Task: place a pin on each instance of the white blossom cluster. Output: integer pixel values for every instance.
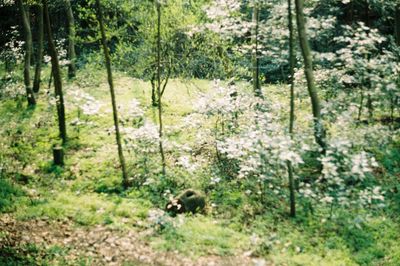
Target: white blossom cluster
(221, 101)
(12, 89)
(85, 102)
(344, 177)
(143, 139)
(13, 50)
(4, 3)
(256, 141)
(260, 147)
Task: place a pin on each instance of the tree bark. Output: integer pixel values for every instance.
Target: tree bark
(153, 91)
(319, 130)
(370, 106)
(125, 181)
(38, 68)
(71, 40)
(28, 52)
(55, 66)
(160, 131)
(254, 58)
(397, 25)
(58, 155)
(291, 118)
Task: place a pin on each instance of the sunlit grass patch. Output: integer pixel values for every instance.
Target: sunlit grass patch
(89, 209)
(201, 235)
(331, 258)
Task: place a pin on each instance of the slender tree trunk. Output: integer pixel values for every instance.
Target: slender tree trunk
(55, 66)
(319, 130)
(71, 40)
(291, 118)
(360, 108)
(50, 79)
(370, 107)
(254, 59)
(125, 181)
(391, 115)
(153, 91)
(397, 38)
(38, 68)
(369, 82)
(397, 25)
(163, 164)
(28, 52)
(351, 13)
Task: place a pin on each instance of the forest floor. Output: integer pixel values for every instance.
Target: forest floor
(64, 243)
(78, 215)
(58, 220)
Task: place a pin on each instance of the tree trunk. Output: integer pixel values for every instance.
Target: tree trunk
(163, 164)
(397, 25)
(55, 66)
(58, 155)
(50, 79)
(125, 181)
(370, 107)
(319, 131)
(291, 118)
(360, 108)
(28, 52)
(71, 40)
(38, 68)
(254, 58)
(369, 82)
(153, 91)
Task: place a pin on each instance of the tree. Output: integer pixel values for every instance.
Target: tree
(319, 130)
(397, 24)
(255, 60)
(39, 58)
(55, 66)
(28, 52)
(291, 119)
(158, 4)
(125, 181)
(173, 47)
(71, 40)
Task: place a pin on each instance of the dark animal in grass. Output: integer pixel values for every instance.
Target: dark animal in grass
(188, 201)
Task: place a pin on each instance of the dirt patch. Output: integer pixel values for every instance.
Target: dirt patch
(98, 245)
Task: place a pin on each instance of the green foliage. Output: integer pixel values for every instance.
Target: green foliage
(25, 255)
(31, 254)
(8, 194)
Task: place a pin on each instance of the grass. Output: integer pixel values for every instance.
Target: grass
(8, 193)
(88, 189)
(200, 235)
(89, 209)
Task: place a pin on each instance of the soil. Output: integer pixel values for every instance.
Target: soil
(98, 245)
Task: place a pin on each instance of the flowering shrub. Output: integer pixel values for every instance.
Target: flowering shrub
(250, 142)
(250, 138)
(13, 51)
(346, 178)
(143, 139)
(83, 101)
